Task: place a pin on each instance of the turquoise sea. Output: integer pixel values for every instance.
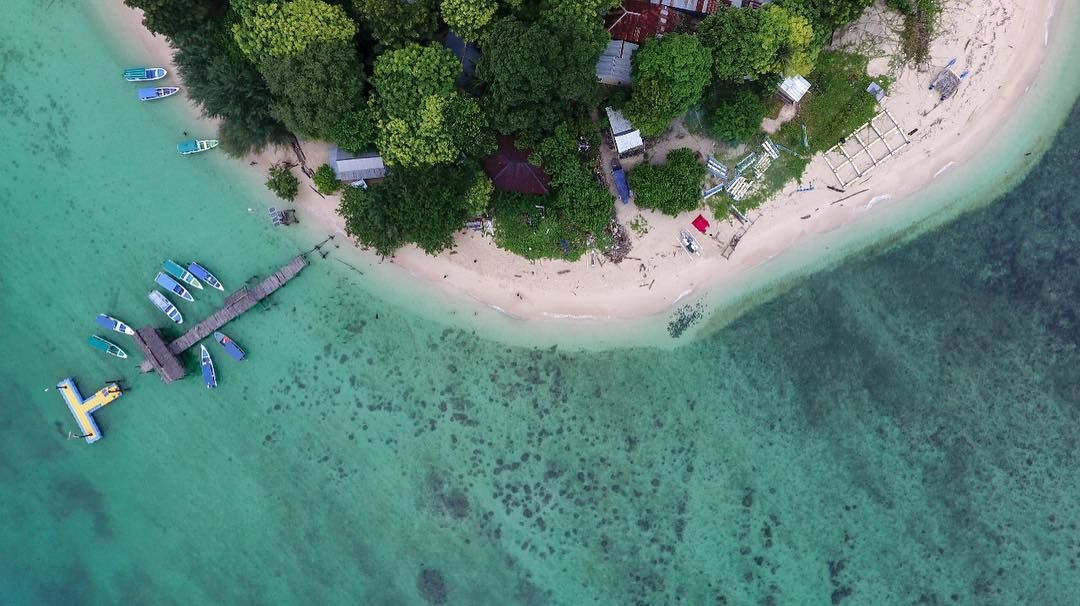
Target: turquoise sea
(900, 428)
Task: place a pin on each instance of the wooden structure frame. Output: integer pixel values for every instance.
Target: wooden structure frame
(867, 148)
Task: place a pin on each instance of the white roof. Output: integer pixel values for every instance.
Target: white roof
(627, 142)
(348, 167)
(619, 123)
(794, 88)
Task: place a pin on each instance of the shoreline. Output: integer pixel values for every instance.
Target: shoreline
(949, 138)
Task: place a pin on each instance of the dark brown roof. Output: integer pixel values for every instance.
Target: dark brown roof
(637, 21)
(510, 170)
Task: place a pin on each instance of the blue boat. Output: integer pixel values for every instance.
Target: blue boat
(161, 302)
(173, 269)
(204, 274)
(150, 93)
(144, 74)
(230, 346)
(112, 323)
(209, 377)
(173, 286)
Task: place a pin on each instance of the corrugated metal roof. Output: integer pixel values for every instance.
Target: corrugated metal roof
(638, 20)
(628, 142)
(348, 167)
(693, 6)
(619, 123)
(794, 88)
(614, 66)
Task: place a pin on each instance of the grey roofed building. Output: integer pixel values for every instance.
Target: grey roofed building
(627, 138)
(614, 65)
(467, 53)
(350, 167)
(794, 88)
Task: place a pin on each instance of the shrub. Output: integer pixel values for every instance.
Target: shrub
(325, 180)
(671, 188)
(282, 182)
(737, 116)
(531, 232)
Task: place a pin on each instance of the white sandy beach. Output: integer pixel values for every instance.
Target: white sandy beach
(1002, 42)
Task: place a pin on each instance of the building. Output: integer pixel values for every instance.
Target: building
(703, 7)
(638, 20)
(627, 139)
(467, 53)
(614, 66)
(793, 89)
(356, 168)
(510, 170)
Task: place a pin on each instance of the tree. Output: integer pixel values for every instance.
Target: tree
(738, 115)
(397, 23)
(325, 180)
(826, 15)
(316, 89)
(670, 73)
(226, 86)
(468, 17)
(671, 188)
(748, 44)
(538, 76)
(423, 206)
(280, 29)
(356, 131)
(176, 19)
(282, 182)
(578, 198)
(577, 12)
(422, 119)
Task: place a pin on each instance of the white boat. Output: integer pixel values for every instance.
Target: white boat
(157, 92)
(689, 244)
(194, 146)
(144, 74)
(112, 323)
(161, 302)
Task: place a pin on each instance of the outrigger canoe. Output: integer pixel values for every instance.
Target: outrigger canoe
(208, 374)
(144, 74)
(161, 302)
(173, 286)
(204, 274)
(112, 323)
(230, 346)
(173, 268)
(110, 348)
(194, 146)
(157, 92)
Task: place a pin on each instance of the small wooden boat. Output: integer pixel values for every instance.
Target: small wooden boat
(157, 92)
(173, 286)
(102, 345)
(208, 375)
(162, 303)
(112, 323)
(144, 74)
(204, 274)
(689, 244)
(194, 146)
(185, 276)
(230, 346)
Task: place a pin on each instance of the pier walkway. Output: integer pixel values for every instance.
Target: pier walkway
(164, 358)
(83, 408)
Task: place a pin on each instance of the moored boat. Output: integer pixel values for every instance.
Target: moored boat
(162, 303)
(208, 374)
(204, 274)
(173, 268)
(230, 346)
(689, 244)
(102, 345)
(144, 74)
(150, 93)
(112, 323)
(173, 286)
(194, 146)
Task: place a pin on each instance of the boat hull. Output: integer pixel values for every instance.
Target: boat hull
(144, 74)
(185, 276)
(112, 323)
(168, 283)
(159, 92)
(231, 348)
(204, 274)
(207, 366)
(161, 302)
(107, 347)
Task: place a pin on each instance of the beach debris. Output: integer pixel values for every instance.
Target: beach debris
(620, 242)
(684, 317)
(802, 188)
(946, 82)
(876, 90)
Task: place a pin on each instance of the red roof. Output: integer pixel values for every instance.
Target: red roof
(637, 20)
(701, 223)
(510, 170)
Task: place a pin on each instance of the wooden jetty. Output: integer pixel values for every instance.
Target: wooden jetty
(164, 359)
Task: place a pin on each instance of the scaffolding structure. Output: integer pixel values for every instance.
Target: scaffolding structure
(865, 149)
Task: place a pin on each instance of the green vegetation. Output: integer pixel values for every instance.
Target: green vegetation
(750, 44)
(468, 17)
(531, 232)
(920, 19)
(669, 75)
(282, 182)
(326, 181)
(314, 90)
(280, 29)
(394, 24)
(738, 114)
(671, 188)
(356, 131)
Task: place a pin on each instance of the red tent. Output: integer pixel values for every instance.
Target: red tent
(701, 223)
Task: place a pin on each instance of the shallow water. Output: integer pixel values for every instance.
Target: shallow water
(899, 430)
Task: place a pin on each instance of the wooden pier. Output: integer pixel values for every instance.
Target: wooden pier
(165, 359)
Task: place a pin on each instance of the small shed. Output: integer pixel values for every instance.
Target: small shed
(793, 89)
(350, 168)
(614, 66)
(510, 170)
(627, 138)
(467, 53)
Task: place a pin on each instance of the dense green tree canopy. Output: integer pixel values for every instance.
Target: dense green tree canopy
(315, 90)
(826, 15)
(396, 23)
(751, 43)
(176, 19)
(468, 17)
(422, 206)
(737, 115)
(556, 83)
(671, 188)
(356, 131)
(279, 29)
(577, 196)
(575, 13)
(422, 120)
(670, 74)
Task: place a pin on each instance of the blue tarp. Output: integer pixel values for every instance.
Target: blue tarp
(621, 186)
